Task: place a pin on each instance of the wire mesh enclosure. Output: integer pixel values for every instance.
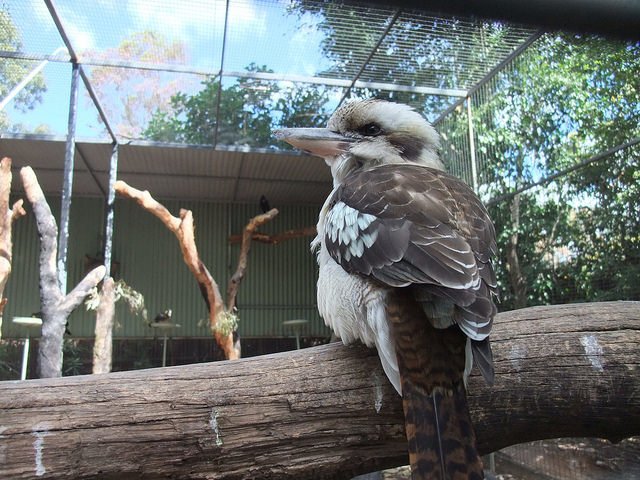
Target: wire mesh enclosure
(551, 142)
(545, 126)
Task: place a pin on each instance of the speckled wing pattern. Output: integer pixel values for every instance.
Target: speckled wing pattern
(412, 226)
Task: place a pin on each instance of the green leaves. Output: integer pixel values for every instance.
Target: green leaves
(12, 71)
(242, 113)
(566, 99)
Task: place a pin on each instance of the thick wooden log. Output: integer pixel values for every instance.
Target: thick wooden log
(323, 412)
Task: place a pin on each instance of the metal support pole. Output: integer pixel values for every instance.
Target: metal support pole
(111, 196)
(472, 147)
(25, 357)
(67, 181)
(219, 96)
(164, 351)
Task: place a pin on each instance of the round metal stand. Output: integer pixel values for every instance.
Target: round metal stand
(297, 326)
(165, 327)
(29, 322)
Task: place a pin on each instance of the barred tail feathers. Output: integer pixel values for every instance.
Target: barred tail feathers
(441, 440)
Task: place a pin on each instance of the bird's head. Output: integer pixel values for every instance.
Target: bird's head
(366, 133)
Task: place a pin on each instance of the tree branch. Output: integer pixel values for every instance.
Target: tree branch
(9, 215)
(323, 412)
(105, 317)
(48, 231)
(76, 296)
(183, 229)
(277, 238)
(247, 235)
(56, 307)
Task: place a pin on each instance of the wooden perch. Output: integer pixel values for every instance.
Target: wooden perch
(322, 412)
(9, 215)
(183, 229)
(56, 306)
(247, 235)
(277, 238)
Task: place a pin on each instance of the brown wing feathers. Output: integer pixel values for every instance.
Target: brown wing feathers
(424, 227)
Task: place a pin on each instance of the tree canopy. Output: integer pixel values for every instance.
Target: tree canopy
(12, 71)
(578, 238)
(132, 96)
(244, 112)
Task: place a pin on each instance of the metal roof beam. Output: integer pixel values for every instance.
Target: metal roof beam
(337, 82)
(276, 77)
(492, 73)
(96, 102)
(392, 22)
(616, 19)
(19, 55)
(65, 38)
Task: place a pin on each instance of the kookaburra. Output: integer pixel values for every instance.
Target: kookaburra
(405, 254)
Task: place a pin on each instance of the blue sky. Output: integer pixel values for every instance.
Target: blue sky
(258, 32)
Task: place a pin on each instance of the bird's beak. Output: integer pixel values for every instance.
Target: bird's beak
(317, 141)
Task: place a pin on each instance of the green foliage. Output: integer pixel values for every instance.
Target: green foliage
(244, 113)
(12, 71)
(566, 99)
(122, 291)
(226, 323)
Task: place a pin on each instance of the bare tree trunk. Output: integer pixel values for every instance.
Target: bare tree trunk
(56, 307)
(236, 278)
(322, 412)
(247, 236)
(516, 277)
(105, 316)
(183, 229)
(7, 217)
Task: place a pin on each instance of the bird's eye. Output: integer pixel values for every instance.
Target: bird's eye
(371, 130)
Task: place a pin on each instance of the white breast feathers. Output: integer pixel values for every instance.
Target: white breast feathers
(354, 308)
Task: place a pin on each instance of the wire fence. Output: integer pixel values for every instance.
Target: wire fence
(563, 192)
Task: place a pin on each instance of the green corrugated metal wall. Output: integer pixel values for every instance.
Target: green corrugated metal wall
(279, 283)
